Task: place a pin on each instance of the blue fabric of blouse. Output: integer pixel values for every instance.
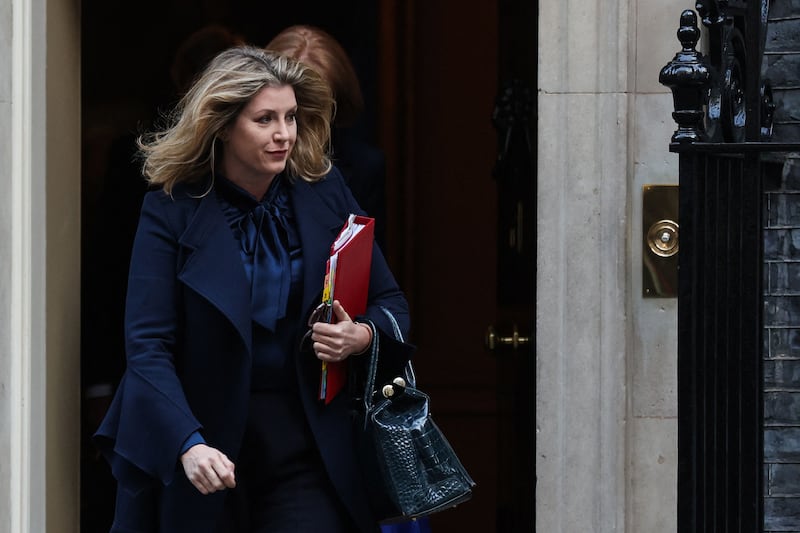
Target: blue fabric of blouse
(270, 246)
(272, 259)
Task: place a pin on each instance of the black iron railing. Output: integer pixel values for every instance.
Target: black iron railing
(724, 112)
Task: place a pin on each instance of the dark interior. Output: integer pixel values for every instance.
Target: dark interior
(430, 73)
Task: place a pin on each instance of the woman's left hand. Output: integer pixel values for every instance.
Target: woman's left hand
(336, 342)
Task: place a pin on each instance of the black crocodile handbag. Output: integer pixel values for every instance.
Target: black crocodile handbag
(409, 467)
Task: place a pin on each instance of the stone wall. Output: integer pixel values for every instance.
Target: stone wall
(782, 66)
(5, 270)
(606, 435)
(782, 353)
(782, 281)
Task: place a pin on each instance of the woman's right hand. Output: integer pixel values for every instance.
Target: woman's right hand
(208, 469)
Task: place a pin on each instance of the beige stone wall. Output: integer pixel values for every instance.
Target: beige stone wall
(652, 352)
(39, 265)
(5, 270)
(606, 399)
(63, 280)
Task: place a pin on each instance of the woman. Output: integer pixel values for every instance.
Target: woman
(216, 426)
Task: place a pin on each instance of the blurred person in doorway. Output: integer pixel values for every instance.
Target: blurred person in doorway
(362, 164)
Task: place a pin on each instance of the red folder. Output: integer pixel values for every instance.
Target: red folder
(347, 280)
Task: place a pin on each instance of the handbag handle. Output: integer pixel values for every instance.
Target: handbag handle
(410, 376)
(372, 369)
(395, 327)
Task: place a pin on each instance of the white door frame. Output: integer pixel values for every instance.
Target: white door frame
(45, 233)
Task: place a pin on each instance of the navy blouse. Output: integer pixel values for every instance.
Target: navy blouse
(272, 259)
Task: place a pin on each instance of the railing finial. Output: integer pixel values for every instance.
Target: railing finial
(689, 77)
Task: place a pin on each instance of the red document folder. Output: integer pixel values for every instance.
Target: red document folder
(347, 280)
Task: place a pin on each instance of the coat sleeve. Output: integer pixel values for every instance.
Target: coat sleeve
(150, 418)
(385, 295)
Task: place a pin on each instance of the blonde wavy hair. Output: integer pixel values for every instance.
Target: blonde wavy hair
(185, 151)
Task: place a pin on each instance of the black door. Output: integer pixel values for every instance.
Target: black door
(512, 340)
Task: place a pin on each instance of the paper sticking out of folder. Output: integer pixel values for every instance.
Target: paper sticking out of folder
(347, 280)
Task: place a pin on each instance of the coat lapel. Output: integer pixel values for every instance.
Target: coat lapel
(318, 226)
(214, 266)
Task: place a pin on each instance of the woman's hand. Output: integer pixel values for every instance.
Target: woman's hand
(336, 342)
(208, 469)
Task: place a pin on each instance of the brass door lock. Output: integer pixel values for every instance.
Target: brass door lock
(493, 340)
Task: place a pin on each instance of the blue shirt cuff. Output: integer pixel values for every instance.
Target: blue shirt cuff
(194, 438)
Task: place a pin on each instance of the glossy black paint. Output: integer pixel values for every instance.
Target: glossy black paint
(724, 112)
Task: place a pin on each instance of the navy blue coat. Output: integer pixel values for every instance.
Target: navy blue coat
(188, 343)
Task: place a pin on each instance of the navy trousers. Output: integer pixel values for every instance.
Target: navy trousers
(282, 486)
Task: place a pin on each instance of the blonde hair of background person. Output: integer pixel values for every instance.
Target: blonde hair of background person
(318, 49)
(362, 164)
(185, 151)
